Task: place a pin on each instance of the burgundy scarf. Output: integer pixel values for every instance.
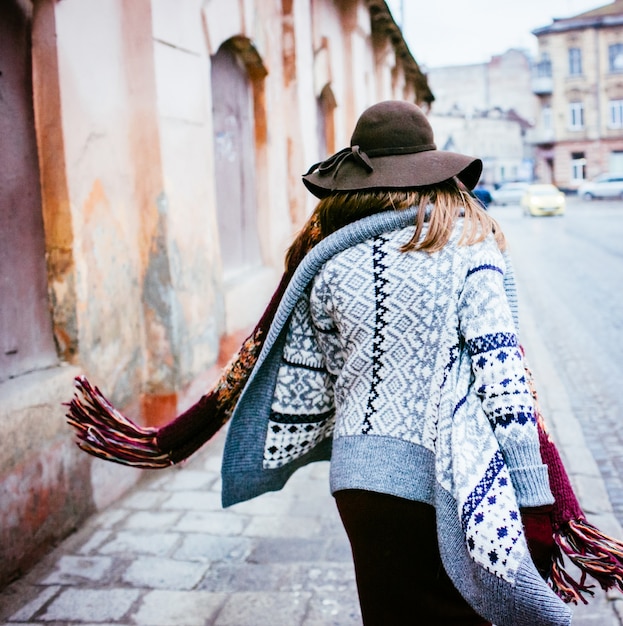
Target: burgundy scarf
(104, 432)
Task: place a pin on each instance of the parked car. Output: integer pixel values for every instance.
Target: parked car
(483, 194)
(543, 199)
(509, 193)
(604, 186)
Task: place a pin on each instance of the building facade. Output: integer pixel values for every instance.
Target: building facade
(504, 83)
(151, 182)
(486, 109)
(578, 79)
(495, 136)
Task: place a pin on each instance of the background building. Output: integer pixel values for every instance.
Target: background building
(486, 109)
(151, 160)
(503, 83)
(579, 82)
(495, 136)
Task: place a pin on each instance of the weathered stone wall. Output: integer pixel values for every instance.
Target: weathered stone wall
(123, 105)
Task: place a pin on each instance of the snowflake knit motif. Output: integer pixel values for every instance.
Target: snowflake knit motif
(418, 351)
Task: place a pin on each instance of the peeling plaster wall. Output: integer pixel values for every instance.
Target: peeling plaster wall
(95, 124)
(123, 109)
(188, 205)
(327, 25)
(140, 192)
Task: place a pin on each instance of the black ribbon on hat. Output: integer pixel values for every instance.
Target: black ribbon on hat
(334, 162)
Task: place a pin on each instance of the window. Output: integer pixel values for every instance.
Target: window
(547, 118)
(578, 167)
(576, 115)
(544, 66)
(575, 62)
(615, 114)
(615, 161)
(615, 57)
(326, 126)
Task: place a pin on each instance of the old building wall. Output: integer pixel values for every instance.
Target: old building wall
(510, 83)
(496, 140)
(186, 209)
(96, 121)
(503, 82)
(132, 131)
(580, 133)
(331, 66)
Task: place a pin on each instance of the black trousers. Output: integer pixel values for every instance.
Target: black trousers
(400, 578)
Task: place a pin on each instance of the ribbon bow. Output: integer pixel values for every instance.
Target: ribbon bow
(334, 162)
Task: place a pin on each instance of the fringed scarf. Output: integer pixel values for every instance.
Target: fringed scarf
(595, 554)
(101, 430)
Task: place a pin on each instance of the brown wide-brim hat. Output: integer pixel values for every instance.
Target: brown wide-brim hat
(392, 147)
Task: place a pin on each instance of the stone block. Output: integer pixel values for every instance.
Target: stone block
(152, 520)
(333, 609)
(90, 605)
(189, 480)
(194, 501)
(157, 573)
(212, 523)
(199, 547)
(281, 526)
(288, 549)
(156, 544)
(143, 500)
(75, 569)
(190, 608)
(264, 609)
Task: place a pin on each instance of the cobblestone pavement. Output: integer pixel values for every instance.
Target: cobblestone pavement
(166, 554)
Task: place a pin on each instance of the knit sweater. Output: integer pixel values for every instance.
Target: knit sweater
(382, 341)
(404, 369)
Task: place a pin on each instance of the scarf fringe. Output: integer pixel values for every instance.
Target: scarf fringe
(104, 432)
(594, 553)
(101, 430)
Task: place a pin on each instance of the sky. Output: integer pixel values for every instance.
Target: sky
(460, 32)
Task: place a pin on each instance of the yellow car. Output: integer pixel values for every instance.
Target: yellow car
(543, 199)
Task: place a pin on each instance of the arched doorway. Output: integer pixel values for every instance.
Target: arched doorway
(234, 148)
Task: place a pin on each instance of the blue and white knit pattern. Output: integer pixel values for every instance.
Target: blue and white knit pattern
(381, 305)
(414, 330)
(303, 409)
(442, 418)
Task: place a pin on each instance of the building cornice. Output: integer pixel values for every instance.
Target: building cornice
(382, 21)
(580, 23)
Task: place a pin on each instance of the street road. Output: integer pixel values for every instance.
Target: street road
(570, 272)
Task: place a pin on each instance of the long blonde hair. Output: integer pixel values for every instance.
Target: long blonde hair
(440, 205)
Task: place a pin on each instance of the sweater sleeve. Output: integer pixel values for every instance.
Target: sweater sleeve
(489, 331)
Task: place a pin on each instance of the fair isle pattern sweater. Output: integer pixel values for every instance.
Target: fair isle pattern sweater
(405, 368)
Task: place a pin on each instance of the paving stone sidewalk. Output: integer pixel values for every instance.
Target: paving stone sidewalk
(166, 554)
